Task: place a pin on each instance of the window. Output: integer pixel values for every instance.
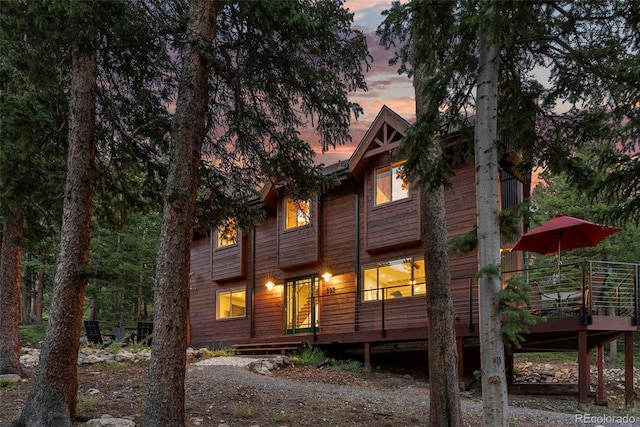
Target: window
(394, 279)
(391, 183)
(231, 303)
(227, 234)
(297, 213)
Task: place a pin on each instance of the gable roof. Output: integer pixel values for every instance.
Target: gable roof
(384, 134)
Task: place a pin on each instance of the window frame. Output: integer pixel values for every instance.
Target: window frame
(416, 284)
(298, 213)
(230, 291)
(391, 167)
(219, 239)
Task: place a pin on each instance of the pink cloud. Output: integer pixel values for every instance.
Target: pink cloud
(385, 85)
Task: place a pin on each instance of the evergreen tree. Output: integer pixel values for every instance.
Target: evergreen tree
(83, 30)
(32, 123)
(252, 72)
(590, 51)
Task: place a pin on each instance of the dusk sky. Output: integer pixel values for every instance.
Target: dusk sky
(385, 86)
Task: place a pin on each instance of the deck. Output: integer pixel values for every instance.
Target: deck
(584, 304)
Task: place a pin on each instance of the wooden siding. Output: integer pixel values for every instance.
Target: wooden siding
(228, 262)
(298, 246)
(338, 219)
(391, 225)
(269, 305)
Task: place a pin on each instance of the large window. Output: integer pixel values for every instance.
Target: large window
(227, 234)
(231, 303)
(391, 183)
(394, 279)
(297, 213)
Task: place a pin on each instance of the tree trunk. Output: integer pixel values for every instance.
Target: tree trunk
(164, 404)
(52, 401)
(494, 388)
(25, 292)
(444, 396)
(39, 298)
(10, 266)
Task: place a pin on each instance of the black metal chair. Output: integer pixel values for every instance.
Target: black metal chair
(92, 329)
(145, 333)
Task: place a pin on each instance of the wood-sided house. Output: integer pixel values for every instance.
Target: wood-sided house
(346, 269)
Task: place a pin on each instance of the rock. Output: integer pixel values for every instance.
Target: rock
(91, 359)
(124, 356)
(109, 421)
(93, 391)
(196, 421)
(29, 360)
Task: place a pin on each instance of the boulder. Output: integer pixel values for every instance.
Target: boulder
(109, 421)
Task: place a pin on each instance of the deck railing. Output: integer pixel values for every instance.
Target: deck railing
(584, 289)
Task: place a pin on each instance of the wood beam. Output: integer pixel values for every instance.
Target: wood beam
(584, 375)
(628, 368)
(600, 398)
(367, 355)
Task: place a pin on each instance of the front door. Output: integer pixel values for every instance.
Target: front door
(301, 305)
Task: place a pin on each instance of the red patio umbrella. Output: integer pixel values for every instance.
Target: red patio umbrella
(561, 233)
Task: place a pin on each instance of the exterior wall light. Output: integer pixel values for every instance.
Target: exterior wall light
(327, 276)
(270, 285)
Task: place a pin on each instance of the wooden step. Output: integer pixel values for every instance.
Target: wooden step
(267, 348)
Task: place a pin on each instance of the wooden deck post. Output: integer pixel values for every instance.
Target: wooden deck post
(600, 399)
(460, 350)
(509, 366)
(584, 374)
(628, 368)
(367, 355)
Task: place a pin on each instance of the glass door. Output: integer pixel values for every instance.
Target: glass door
(301, 305)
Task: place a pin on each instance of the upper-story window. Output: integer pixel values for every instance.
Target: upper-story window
(394, 279)
(391, 183)
(297, 213)
(227, 233)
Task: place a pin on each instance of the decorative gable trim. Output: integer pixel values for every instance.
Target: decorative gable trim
(393, 128)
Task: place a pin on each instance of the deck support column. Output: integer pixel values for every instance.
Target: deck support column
(460, 350)
(509, 366)
(600, 399)
(367, 356)
(628, 368)
(584, 374)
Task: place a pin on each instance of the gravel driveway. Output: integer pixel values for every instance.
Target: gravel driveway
(309, 401)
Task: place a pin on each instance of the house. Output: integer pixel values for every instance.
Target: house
(344, 270)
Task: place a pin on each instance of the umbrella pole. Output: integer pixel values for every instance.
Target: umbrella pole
(559, 264)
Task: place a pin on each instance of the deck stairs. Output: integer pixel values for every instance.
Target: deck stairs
(267, 348)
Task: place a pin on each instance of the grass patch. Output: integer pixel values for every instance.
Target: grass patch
(243, 411)
(87, 402)
(556, 356)
(314, 356)
(309, 355)
(33, 333)
(278, 418)
(208, 353)
(137, 347)
(352, 366)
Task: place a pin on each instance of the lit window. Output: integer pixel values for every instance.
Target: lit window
(298, 213)
(231, 303)
(391, 183)
(227, 233)
(394, 279)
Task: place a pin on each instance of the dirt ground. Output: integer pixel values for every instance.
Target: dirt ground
(122, 389)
